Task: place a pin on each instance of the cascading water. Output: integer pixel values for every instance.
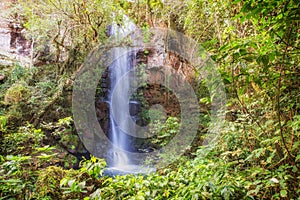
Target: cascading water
(120, 90)
(123, 62)
(118, 136)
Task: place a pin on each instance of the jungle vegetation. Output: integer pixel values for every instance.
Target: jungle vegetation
(256, 46)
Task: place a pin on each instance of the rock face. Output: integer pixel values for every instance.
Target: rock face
(153, 62)
(13, 45)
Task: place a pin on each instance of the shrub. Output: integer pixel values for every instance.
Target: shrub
(16, 93)
(47, 184)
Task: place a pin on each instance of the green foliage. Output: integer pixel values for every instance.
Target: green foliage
(17, 93)
(55, 183)
(18, 73)
(20, 181)
(202, 178)
(72, 186)
(15, 178)
(19, 141)
(264, 171)
(259, 66)
(84, 181)
(164, 132)
(94, 167)
(16, 99)
(146, 34)
(24, 92)
(257, 156)
(67, 30)
(48, 182)
(21, 74)
(3, 122)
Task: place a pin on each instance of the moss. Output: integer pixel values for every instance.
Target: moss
(17, 105)
(48, 182)
(17, 93)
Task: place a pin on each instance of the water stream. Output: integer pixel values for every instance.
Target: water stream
(122, 79)
(123, 63)
(119, 119)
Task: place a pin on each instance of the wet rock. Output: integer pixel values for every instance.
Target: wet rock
(128, 169)
(102, 113)
(2, 78)
(134, 108)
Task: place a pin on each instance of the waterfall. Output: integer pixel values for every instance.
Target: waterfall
(118, 136)
(122, 63)
(123, 79)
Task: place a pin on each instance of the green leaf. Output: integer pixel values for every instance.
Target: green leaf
(265, 60)
(236, 1)
(298, 157)
(11, 181)
(283, 193)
